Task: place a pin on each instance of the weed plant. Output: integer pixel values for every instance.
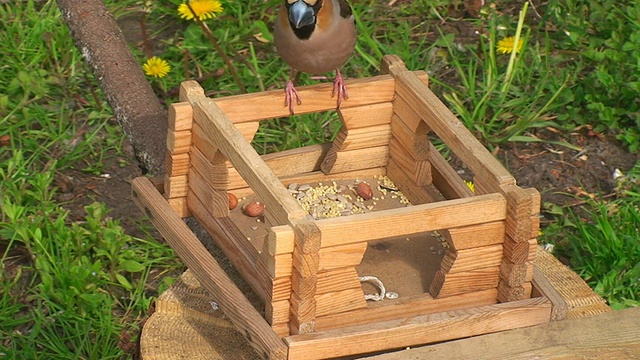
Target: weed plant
(67, 289)
(602, 41)
(601, 240)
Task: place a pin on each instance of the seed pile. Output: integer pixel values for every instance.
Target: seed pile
(341, 199)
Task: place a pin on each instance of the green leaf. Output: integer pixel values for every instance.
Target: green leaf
(124, 282)
(94, 299)
(132, 266)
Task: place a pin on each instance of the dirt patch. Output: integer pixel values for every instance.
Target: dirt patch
(77, 189)
(561, 174)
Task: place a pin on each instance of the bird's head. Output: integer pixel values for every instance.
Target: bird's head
(303, 13)
(303, 16)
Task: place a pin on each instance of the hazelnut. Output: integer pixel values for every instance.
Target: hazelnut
(233, 201)
(364, 191)
(253, 209)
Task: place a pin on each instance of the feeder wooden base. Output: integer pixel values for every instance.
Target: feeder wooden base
(306, 270)
(185, 325)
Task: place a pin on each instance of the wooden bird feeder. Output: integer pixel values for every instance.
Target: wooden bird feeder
(305, 271)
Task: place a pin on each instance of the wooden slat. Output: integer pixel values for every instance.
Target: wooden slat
(179, 205)
(180, 116)
(280, 240)
(328, 281)
(333, 257)
(507, 293)
(366, 116)
(248, 163)
(315, 98)
(442, 121)
(190, 91)
(362, 138)
(516, 274)
(175, 187)
(248, 130)
(278, 313)
(208, 271)
(418, 171)
(178, 142)
(281, 288)
(613, 335)
(235, 246)
(205, 145)
(409, 117)
(306, 261)
(444, 285)
(337, 291)
(580, 298)
(216, 174)
(176, 164)
(318, 176)
(445, 178)
(411, 220)
(406, 308)
(543, 287)
(519, 209)
(515, 252)
(353, 160)
(418, 145)
(360, 228)
(471, 259)
(296, 161)
(340, 301)
(338, 280)
(236, 181)
(418, 330)
(533, 245)
(416, 194)
(216, 202)
(467, 237)
(336, 257)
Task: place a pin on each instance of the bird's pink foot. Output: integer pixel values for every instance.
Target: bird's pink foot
(290, 93)
(339, 88)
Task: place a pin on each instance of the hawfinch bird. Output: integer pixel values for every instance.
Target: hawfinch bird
(315, 36)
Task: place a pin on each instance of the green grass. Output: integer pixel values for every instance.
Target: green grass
(602, 39)
(504, 97)
(69, 289)
(601, 240)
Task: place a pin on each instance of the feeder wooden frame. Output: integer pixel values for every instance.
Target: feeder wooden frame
(305, 273)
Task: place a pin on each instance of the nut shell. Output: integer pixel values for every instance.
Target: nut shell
(253, 209)
(364, 191)
(233, 201)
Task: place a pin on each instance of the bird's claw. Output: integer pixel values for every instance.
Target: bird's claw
(291, 92)
(339, 89)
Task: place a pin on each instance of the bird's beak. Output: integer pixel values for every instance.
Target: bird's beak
(301, 14)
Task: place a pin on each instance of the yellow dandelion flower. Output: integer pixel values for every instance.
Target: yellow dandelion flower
(203, 9)
(505, 46)
(471, 186)
(156, 67)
